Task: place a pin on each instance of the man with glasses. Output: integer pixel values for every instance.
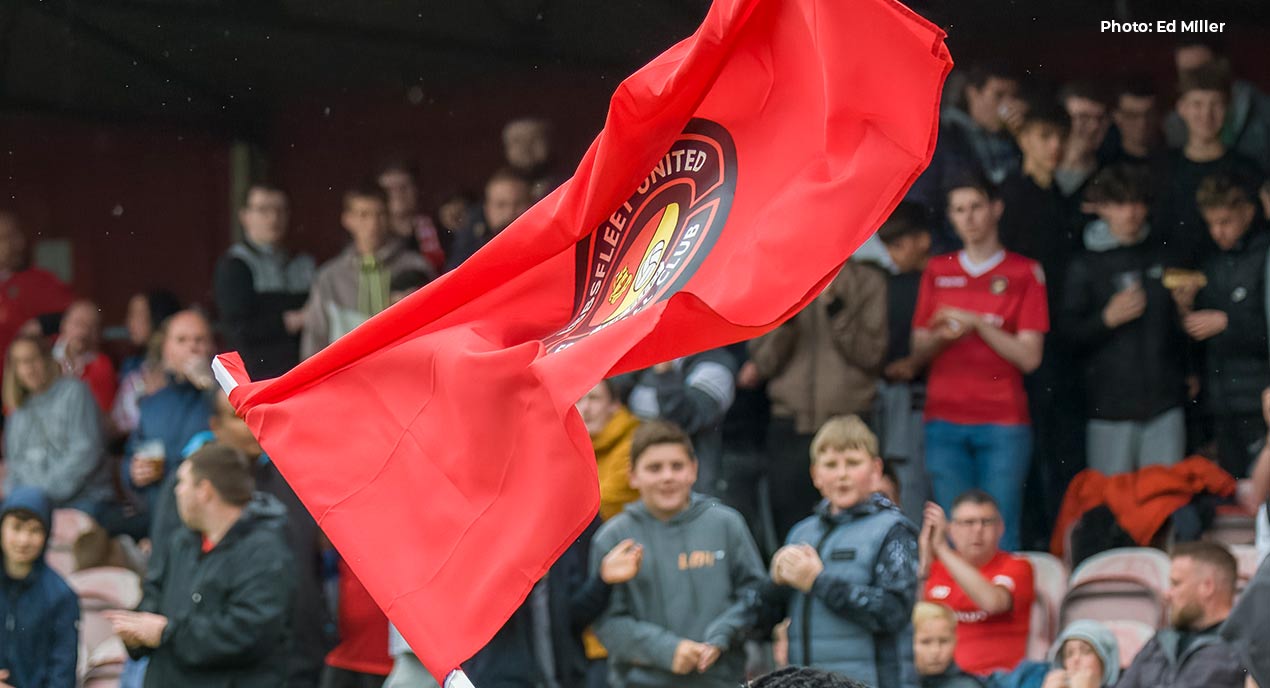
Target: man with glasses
(1087, 107)
(1136, 138)
(990, 591)
(261, 287)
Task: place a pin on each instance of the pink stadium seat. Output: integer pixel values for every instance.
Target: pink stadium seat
(1246, 558)
(94, 630)
(1144, 564)
(106, 587)
(1120, 584)
(1131, 636)
(62, 562)
(1050, 582)
(68, 525)
(1233, 525)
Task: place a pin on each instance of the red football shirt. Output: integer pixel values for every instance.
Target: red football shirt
(988, 643)
(26, 294)
(969, 383)
(363, 629)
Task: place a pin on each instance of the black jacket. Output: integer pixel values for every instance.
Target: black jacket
(574, 600)
(1136, 371)
(251, 314)
(39, 614)
(1237, 360)
(228, 610)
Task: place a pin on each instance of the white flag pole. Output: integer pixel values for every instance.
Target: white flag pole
(458, 679)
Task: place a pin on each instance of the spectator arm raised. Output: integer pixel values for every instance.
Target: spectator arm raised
(991, 598)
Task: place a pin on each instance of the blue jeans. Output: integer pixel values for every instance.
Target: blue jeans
(993, 458)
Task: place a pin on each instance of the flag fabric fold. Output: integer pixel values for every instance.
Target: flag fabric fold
(437, 444)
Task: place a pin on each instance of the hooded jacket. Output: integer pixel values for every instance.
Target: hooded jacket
(1207, 661)
(1136, 371)
(613, 462)
(1032, 674)
(228, 610)
(699, 581)
(39, 639)
(1247, 628)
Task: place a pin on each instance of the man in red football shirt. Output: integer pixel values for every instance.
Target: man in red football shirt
(25, 291)
(990, 591)
(980, 322)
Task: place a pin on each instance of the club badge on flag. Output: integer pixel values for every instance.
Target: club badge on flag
(437, 445)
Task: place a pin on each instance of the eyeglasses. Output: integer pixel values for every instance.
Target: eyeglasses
(972, 522)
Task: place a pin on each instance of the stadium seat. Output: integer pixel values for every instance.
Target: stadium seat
(1246, 558)
(101, 589)
(1131, 636)
(1233, 525)
(62, 562)
(106, 587)
(68, 525)
(1050, 582)
(1126, 583)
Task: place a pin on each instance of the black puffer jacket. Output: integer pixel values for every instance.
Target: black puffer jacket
(1235, 360)
(228, 610)
(1137, 370)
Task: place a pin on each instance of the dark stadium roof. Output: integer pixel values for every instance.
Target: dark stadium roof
(219, 62)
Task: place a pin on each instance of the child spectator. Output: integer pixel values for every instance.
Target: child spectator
(991, 591)
(821, 363)
(850, 570)
(611, 427)
(1119, 316)
(1136, 137)
(981, 320)
(1085, 655)
(934, 639)
(1228, 315)
(681, 620)
(1039, 222)
(357, 284)
(1087, 106)
(1203, 96)
(39, 640)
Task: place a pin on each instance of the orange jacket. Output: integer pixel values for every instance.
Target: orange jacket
(1143, 500)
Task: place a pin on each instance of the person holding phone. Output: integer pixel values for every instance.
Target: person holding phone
(1127, 335)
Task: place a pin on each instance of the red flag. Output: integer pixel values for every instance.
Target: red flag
(437, 445)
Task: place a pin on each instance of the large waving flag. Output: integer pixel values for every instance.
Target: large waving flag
(437, 444)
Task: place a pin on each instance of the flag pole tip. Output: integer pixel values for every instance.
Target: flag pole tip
(223, 376)
(458, 679)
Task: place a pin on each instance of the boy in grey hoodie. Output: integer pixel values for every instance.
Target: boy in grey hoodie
(681, 621)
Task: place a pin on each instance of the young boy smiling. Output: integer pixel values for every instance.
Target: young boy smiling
(681, 620)
(852, 566)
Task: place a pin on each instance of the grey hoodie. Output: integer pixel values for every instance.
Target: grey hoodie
(54, 442)
(699, 579)
(1100, 638)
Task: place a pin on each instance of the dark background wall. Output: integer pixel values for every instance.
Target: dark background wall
(133, 165)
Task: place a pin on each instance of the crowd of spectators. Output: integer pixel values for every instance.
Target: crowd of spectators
(1075, 293)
